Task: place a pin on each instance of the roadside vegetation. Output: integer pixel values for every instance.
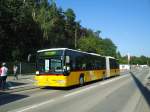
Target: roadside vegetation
(29, 25)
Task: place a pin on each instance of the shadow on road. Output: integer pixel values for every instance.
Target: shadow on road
(143, 89)
(6, 98)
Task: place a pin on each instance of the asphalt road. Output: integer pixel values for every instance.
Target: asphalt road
(125, 93)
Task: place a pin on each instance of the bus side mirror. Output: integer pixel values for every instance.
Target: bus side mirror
(68, 68)
(31, 58)
(67, 59)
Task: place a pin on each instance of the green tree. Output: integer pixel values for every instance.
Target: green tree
(71, 27)
(29, 25)
(109, 47)
(19, 30)
(89, 44)
(92, 42)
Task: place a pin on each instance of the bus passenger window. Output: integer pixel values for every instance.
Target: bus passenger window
(83, 66)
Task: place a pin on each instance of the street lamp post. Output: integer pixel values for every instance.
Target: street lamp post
(129, 60)
(75, 39)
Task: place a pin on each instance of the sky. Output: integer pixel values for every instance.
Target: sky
(125, 22)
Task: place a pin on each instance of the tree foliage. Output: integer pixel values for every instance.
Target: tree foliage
(29, 25)
(135, 60)
(96, 44)
(19, 32)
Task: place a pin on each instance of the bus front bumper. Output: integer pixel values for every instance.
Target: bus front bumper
(52, 81)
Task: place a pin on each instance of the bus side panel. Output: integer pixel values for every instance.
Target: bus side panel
(94, 75)
(112, 67)
(114, 72)
(118, 71)
(73, 78)
(107, 67)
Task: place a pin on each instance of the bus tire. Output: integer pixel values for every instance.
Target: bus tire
(81, 80)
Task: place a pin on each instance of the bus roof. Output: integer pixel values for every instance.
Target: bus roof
(53, 49)
(110, 57)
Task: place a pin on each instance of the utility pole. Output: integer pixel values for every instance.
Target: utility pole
(20, 68)
(129, 61)
(147, 61)
(75, 39)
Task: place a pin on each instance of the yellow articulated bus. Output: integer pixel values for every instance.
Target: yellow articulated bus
(63, 67)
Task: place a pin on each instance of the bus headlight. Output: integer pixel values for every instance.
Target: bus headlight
(61, 81)
(37, 72)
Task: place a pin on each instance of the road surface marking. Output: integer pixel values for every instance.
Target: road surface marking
(80, 91)
(31, 80)
(36, 105)
(112, 80)
(15, 87)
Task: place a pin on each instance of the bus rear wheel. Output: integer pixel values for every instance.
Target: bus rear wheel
(81, 80)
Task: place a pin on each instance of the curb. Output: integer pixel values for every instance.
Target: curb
(18, 89)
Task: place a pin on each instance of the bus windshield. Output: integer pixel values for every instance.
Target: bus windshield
(50, 62)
